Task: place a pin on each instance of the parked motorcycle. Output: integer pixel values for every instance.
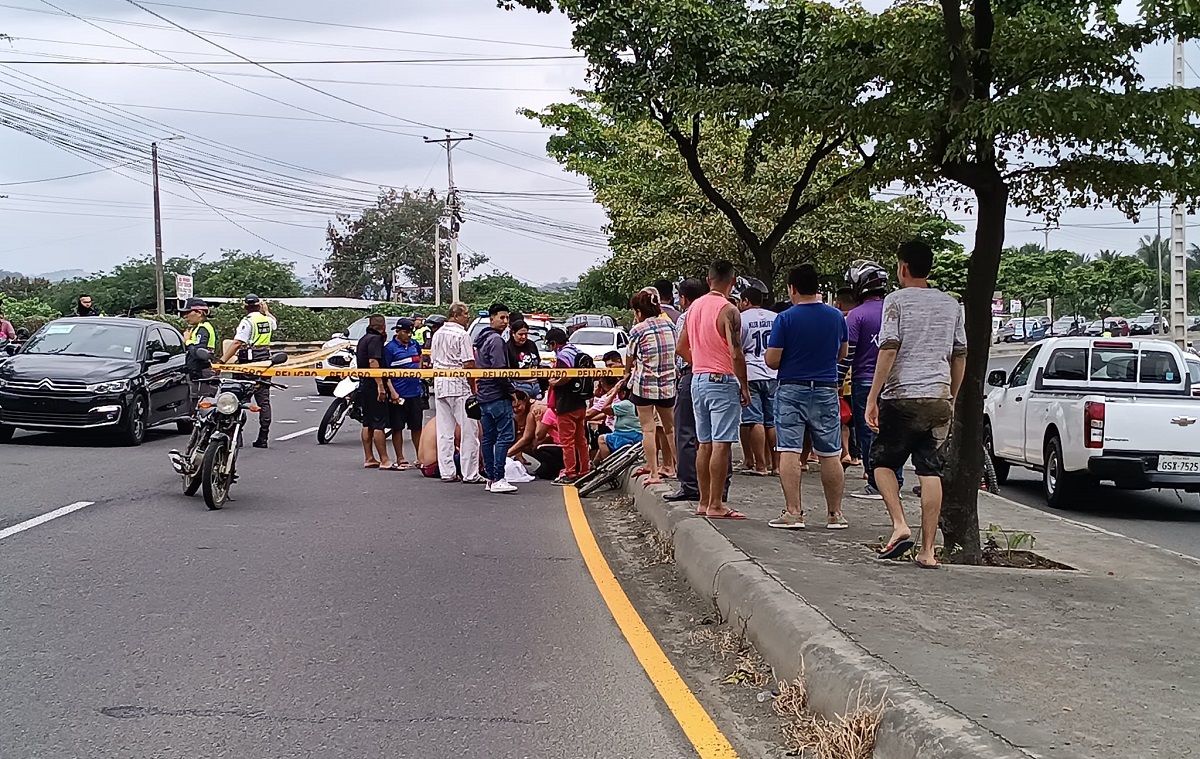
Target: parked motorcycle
(210, 460)
(345, 404)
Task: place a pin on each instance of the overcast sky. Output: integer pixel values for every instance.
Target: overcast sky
(92, 222)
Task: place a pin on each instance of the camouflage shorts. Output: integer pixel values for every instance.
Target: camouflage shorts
(914, 427)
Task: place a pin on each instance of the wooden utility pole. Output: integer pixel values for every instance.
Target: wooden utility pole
(453, 207)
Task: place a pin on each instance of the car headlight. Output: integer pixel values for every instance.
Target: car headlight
(227, 403)
(115, 386)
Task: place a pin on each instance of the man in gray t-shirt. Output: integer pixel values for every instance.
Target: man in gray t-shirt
(922, 356)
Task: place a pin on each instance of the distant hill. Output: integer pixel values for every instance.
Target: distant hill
(561, 286)
(62, 274)
(53, 276)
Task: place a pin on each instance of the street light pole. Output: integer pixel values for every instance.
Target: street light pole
(1178, 253)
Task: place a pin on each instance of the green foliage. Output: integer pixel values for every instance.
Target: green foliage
(30, 313)
(662, 224)
(236, 273)
(1034, 274)
(1097, 285)
(517, 295)
(597, 291)
(950, 271)
(391, 240)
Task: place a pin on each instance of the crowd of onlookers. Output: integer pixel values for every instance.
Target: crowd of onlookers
(801, 384)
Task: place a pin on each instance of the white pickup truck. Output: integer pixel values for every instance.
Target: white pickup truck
(1081, 410)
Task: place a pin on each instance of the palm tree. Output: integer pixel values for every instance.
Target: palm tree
(1155, 252)
(1108, 255)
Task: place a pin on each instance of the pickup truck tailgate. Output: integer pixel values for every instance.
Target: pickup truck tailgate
(1147, 424)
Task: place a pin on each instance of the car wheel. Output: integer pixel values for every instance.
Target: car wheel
(1062, 489)
(133, 431)
(6, 434)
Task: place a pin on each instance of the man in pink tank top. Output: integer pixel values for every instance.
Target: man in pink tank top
(711, 342)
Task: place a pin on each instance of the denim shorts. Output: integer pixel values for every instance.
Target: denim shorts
(717, 403)
(815, 410)
(762, 403)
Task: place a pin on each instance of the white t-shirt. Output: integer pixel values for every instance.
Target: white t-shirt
(245, 330)
(757, 324)
(451, 346)
(925, 327)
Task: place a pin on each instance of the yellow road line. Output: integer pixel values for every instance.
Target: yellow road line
(700, 729)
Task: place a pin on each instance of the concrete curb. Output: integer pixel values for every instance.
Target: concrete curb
(794, 637)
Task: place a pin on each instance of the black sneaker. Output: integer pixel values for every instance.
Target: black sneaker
(679, 496)
(259, 443)
(563, 480)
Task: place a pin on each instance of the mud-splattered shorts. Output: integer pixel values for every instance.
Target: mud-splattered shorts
(914, 427)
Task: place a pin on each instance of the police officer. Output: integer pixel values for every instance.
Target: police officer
(252, 342)
(421, 333)
(200, 334)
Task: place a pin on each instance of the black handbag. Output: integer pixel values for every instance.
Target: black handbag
(472, 407)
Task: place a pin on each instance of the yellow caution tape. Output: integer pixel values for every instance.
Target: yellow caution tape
(284, 371)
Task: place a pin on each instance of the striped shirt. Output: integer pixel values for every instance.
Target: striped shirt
(652, 346)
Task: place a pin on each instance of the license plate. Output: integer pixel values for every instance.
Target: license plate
(1179, 464)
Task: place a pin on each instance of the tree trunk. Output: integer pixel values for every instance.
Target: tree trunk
(960, 509)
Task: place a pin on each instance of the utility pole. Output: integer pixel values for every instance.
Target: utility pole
(158, 257)
(452, 207)
(1158, 251)
(1179, 323)
(1046, 249)
(437, 263)
(158, 249)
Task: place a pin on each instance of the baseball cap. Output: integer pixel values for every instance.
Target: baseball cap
(405, 324)
(252, 300)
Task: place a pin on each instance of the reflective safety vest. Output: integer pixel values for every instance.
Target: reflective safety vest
(422, 336)
(193, 337)
(260, 330)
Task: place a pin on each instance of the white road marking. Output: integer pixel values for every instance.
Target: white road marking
(286, 421)
(300, 398)
(31, 523)
(301, 433)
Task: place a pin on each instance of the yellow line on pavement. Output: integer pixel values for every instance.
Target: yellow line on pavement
(700, 729)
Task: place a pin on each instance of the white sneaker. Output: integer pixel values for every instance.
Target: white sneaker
(502, 486)
(487, 487)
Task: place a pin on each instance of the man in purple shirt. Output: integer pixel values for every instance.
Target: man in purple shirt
(870, 281)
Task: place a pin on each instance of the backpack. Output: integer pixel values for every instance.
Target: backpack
(583, 387)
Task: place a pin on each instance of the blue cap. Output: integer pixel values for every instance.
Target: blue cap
(405, 324)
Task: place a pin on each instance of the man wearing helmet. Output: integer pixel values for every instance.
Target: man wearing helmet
(870, 282)
(252, 342)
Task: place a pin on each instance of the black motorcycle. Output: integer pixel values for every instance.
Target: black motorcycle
(210, 459)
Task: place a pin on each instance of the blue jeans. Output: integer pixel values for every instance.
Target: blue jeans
(858, 406)
(496, 419)
(717, 402)
(803, 408)
(762, 403)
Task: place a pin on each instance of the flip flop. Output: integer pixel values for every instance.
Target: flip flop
(701, 512)
(648, 482)
(403, 466)
(923, 565)
(641, 471)
(896, 549)
(756, 473)
(371, 466)
(731, 514)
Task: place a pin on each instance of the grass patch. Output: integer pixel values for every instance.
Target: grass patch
(846, 736)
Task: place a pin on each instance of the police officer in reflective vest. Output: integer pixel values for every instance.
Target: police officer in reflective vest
(421, 332)
(252, 342)
(200, 334)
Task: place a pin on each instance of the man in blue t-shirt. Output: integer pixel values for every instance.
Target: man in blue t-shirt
(404, 407)
(807, 342)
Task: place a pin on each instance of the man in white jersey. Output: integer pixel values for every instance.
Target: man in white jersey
(758, 419)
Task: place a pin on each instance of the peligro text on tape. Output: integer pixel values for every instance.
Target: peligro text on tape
(421, 373)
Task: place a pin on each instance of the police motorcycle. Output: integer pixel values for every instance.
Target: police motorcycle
(209, 461)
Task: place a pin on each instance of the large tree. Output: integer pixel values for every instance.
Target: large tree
(235, 274)
(392, 240)
(662, 225)
(1036, 104)
(708, 76)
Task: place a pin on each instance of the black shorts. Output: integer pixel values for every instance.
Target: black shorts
(638, 400)
(374, 411)
(914, 427)
(408, 414)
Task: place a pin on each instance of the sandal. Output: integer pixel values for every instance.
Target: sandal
(935, 565)
(897, 548)
(731, 514)
(371, 465)
(400, 466)
(641, 471)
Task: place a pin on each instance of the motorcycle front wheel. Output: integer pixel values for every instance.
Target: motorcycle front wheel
(334, 417)
(191, 482)
(216, 481)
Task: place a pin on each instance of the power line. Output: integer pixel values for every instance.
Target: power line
(65, 176)
(355, 26)
(313, 62)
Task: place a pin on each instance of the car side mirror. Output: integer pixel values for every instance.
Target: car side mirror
(160, 357)
(997, 378)
(278, 358)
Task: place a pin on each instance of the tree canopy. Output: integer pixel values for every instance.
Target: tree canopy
(391, 240)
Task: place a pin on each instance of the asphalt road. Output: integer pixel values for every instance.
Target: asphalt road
(329, 611)
(1165, 518)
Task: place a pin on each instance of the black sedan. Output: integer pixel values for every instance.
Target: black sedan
(84, 373)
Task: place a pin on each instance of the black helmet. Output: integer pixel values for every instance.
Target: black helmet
(195, 304)
(867, 278)
(252, 300)
(748, 283)
(435, 320)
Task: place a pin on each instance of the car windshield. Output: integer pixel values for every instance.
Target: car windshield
(359, 328)
(102, 340)
(1144, 319)
(593, 337)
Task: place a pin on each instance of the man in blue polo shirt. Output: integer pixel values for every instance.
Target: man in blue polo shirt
(807, 342)
(404, 407)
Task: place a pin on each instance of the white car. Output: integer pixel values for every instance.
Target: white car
(596, 341)
(1085, 409)
(349, 338)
